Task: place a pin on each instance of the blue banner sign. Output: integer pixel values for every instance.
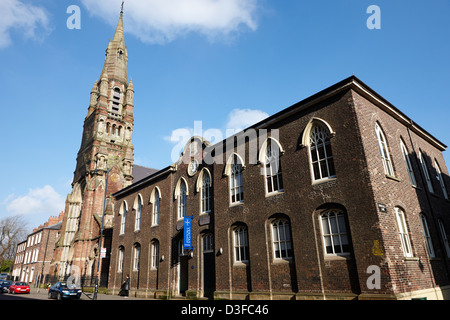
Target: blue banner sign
(187, 243)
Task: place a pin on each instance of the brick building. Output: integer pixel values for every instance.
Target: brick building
(340, 196)
(34, 255)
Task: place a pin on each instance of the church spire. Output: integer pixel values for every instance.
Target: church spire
(116, 55)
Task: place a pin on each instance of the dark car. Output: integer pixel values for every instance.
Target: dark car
(62, 290)
(4, 285)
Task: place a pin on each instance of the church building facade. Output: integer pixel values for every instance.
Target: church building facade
(340, 196)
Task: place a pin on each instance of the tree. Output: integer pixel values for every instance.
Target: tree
(12, 231)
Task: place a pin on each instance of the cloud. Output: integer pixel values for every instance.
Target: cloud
(240, 119)
(38, 201)
(156, 21)
(24, 18)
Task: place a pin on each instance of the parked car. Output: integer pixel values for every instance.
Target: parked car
(4, 276)
(4, 285)
(19, 287)
(62, 290)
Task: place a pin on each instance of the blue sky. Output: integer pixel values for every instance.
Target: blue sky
(226, 63)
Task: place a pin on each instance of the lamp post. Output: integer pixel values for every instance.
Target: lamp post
(101, 236)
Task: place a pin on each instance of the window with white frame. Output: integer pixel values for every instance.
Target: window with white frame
(121, 259)
(407, 159)
(426, 233)
(156, 207)
(205, 193)
(403, 232)
(441, 179)
(182, 200)
(272, 164)
(334, 233)
(384, 151)
(321, 156)
(138, 208)
(236, 180)
(444, 237)
(123, 219)
(426, 173)
(281, 239)
(136, 257)
(241, 249)
(155, 254)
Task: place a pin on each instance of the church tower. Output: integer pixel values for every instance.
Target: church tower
(106, 146)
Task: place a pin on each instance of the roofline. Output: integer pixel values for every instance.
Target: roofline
(143, 181)
(364, 90)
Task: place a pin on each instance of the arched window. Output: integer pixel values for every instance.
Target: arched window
(155, 199)
(136, 256)
(334, 233)
(384, 151)
(155, 254)
(272, 165)
(444, 237)
(426, 233)
(441, 179)
(321, 156)
(121, 259)
(281, 239)
(205, 192)
(138, 208)
(240, 240)
(408, 163)
(426, 172)
(403, 232)
(236, 180)
(123, 214)
(182, 199)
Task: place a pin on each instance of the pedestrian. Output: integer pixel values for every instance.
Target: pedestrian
(125, 287)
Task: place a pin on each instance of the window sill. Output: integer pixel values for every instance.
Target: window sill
(337, 258)
(282, 261)
(236, 204)
(411, 259)
(392, 178)
(240, 264)
(274, 193)
(316, 182)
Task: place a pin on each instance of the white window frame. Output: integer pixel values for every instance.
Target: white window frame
(182, 200)
(426, 233)
(409, 168)
(426, 172)
(155, 255)
(320, 153)
(240, 243)
(123, 219)
(208, 243)
(121, 259)
(384, 151)
(441, 179)
(205, 193)
(334, 233)
(281, 239)
(444, 237)
(138, 215)
(272, 167)
(136, 257)
(236, 181)
(403, 232)
(156, 207)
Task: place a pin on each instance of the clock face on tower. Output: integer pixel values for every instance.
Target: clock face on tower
(192, 168)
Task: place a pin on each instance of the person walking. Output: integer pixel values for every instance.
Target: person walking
(125, 287)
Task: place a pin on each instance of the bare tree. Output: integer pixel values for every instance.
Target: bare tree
(12, 231)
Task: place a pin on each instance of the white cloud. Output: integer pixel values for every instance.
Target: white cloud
(24, 18)
(240, 119)
(161, 21)
(38, 201)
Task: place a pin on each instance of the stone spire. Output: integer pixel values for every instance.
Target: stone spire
(116, 55)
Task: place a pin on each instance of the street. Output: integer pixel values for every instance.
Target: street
(42, 294)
